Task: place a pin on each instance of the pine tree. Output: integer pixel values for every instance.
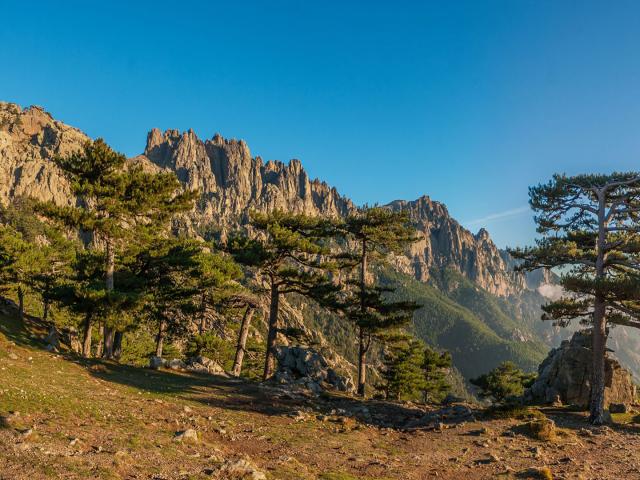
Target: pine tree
(56, 255)
(414, 371)
(402, 374)
(167, 270)
(288, 253)
(436, 366)
(377, 232)
(250, 304)
(216, 282)
(117, 204)
(84, 293)
(589, 227)
(18, 258)
(503, 383)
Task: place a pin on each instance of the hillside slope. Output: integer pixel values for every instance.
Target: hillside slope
(63, 417)
(479, 338)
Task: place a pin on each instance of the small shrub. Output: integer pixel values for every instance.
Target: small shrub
(543, 473)
(515, 411)
(543, 429)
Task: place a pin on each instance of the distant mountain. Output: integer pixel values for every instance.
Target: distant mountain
(488, 312)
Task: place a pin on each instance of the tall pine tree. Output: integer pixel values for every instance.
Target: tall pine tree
(413, 371)
(288, 253)
(376, 232)
(589, 226)
(167, 270)
(116, 203)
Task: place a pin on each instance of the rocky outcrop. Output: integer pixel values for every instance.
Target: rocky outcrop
(443, 242)
(202, 364)
(309, 369)
(233, 182)
(565, 375)
(29, 140)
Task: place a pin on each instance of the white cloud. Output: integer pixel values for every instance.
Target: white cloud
(551, 291)
(514, 212)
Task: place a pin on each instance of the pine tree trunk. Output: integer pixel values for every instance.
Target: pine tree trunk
(270, 358)
(242, 342)
(100, 340)
(599, 333)
(160, 338)
(203, 311)
(21, 303)
(362, 351)
(109, 270)
(45, 308)
(362, 364)
(107, 351)
(598, 375)
(117, 344)
(86, 340)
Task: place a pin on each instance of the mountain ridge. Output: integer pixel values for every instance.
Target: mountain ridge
(232, 183)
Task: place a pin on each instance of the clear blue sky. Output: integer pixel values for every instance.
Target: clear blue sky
(468, 102)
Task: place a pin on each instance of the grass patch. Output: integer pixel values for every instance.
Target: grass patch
(337, 476)
(543, 429)
(625, 418)
(517, 412)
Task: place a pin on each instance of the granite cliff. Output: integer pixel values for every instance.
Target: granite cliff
(233, 182)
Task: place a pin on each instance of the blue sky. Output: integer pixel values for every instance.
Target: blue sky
(467, 102)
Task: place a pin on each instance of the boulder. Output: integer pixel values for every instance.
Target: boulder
(72, 338)
(176, 364)
(188, 436)
(240, 469)
(157, 362)
(565, 376)
(202, 364)
(308, 368)
(52, 339)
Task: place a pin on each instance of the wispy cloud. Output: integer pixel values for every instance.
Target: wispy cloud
(514, 212)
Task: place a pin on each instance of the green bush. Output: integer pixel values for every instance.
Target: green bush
(504, 383)
(212, 346)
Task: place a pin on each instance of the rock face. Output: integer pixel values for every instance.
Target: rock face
(308, 368)
(29, 140)
(233, 183)
(566, 373)
(445, 243)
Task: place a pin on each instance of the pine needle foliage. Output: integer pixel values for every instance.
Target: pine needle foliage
(590, 226)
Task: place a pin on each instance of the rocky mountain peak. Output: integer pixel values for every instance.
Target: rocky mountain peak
(444, 243)
(483, 235)
(29, 139)
(233, 183)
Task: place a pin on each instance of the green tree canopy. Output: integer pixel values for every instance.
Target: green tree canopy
(290, 254)
(376, 232)
(589, 227)
(503, 383)
(413, 371)
(118, 203)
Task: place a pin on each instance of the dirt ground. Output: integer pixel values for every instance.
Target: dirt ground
(71, 419)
